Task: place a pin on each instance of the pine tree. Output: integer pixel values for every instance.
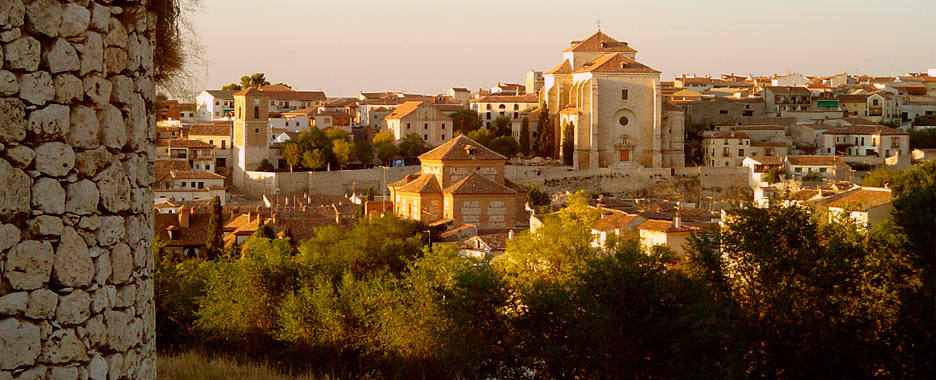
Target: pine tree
(525, 137)
(568, 143)
(214, 243)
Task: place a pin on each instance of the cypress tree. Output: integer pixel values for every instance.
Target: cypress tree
(545, 135)
(568, 143)
(214, 243)
(525, 137)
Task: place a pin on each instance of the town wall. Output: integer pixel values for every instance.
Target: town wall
(339, 182)
(76, 203)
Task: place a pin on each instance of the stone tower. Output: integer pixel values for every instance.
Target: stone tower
(76, 198)
(251, 131)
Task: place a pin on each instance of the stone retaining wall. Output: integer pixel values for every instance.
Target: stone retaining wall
(76, 152)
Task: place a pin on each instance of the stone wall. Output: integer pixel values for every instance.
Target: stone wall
(76, 290)
(327, 182)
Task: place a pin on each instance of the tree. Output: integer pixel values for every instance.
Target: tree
(383, 137)
(292, 153)
(411, 147)
(265, 166)
(464, 121)
(536, 197)
(923, 139)
(314, 159)
(214, 242)
(342, 150)
(505, 145)
(232, 87)
(501, 126)
(255, 80)
(386, 151)
(482, 136)
(881, 177)
(334, 134)
(364, 152)
(568, 143)
(545, 135)
(525, 137)
(161, 96)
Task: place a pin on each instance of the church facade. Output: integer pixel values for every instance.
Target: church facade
(615, 106)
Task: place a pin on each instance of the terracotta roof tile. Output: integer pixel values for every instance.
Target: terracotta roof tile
(815, 160)
(183, 143)
(529, 98)
(614, 221)
(663, 226)
(404, 109)
(457, 149)
(562, 68)
(616, 63)
(600, 42)
(476, 183)
(214, 129)
(425, 183)
(863, 199)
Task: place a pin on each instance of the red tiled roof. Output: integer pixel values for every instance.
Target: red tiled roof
(616, 63)
(600, 42)
(457, 149)
(424, 184)
(404, 109)
(562, 68)
(476, 183)
(183, 143)
(614, 221)
(863, 199)
(815, 160)
(529, 98)
(663, 226)
(214, 129)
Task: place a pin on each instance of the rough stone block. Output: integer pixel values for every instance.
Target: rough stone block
(114, 188)
(12, 13)
(82, 198)
(75, 19)
(84, 128)
(42, 303)
(36, 87)
(91, 52)
(8, 83)
(12, 118)
(73, 308)
(13, 303)
(29, 264)
(14, 199)
(54, 158)
(73, 264)
(22, 54)
(50, 123)
(48, 196)
(46, 225)
(20, 156)
(68, 88)
(121, 263)
(63, 346)
(60, 56)
(19, 343)
(44, 17)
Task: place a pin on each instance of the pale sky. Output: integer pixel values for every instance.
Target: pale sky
(426, 46)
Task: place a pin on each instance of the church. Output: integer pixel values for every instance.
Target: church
(615, 106)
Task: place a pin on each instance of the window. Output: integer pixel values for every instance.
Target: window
(741, 152)
(407, 125)
(183, 184)
(487, 106)
(798, 170)
(425, 125)
(211, 142)
(201, 185)
(624, 94)
(516, 115)
(723, 112)
(256, 112)
(443, 137)
(222, 144)
(488, 116)
(822, 170)
(516, 107)
(502, 106)
(623, 120)
(426, 137)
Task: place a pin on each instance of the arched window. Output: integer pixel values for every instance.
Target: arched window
(256, 112)
(516, 107)
(502, 106)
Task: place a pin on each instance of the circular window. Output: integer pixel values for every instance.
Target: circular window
(623, 120)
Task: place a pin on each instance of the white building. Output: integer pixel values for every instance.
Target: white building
(491, 107)
(214, 105)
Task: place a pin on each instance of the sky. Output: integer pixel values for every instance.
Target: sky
(420, 46)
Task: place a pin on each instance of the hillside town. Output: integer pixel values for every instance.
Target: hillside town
(599, 112)
(388, 192)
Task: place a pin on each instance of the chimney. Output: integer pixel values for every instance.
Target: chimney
(250, 216)
(171, 231)
(184, 214)
(337, 215)
(676, 219)
(273, 219)
(510, 235)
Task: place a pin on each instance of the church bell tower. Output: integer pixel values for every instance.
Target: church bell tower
(251, 131)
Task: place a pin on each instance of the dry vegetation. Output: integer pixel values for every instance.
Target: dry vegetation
(193, 365)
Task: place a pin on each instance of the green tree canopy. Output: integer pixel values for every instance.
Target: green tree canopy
(464, 121)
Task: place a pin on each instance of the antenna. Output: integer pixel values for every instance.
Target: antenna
(598, 20)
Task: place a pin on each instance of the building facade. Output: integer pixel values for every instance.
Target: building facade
(616, 106)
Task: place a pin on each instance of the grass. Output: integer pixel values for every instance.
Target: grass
(193, 365)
